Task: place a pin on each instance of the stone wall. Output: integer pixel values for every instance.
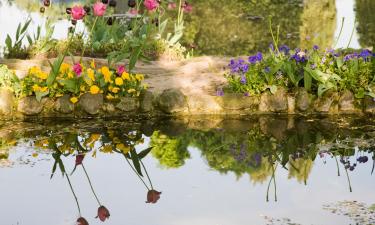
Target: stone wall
(174, 102)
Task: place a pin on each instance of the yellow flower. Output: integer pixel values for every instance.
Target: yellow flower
(131, 90)
(119, 81)
(94, 89)
(92, 64)
(107, 149)
(59, 95)
(64, 68)
(74, 100)
(145, 86)
(139, 77)
(34, 70)
(82, 88)
(115, 90)
(106, 73)
(123, 148)
(125, 76)
(36, 88)
(70, 74)
(43, 89)
(42, 75)
(109, 97)
(91, 74)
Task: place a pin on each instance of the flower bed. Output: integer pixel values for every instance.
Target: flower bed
(317, 71)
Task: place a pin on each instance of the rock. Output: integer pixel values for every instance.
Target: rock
(109, 107)
(326, 103)
(203, 104)
(172, 101)
(90, 103)
(6, 101)
(347, 102)
(291, 104)
(303, 100)
(236, 101)
(30, 106)
(128, 104)
(277, 102)
(369, 105)
(64, 105)
(147, 101)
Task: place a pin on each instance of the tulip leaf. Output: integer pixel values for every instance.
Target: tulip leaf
(143, 153)
(136, 163)
(39, 95)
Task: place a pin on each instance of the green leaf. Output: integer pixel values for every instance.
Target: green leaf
(136, 163)
(8, 42)
(307, 80)
(70, 85)
(39, 95)
(55, 67)
(143, 153)
(18, 32)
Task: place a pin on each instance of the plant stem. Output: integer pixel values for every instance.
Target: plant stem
(136, 173)
(351, 35)
(90, 35)
(338, 167)
(338, 37)
(148, 177)
(92, 189)
(75, 197)
(275, 42)
(347, 177)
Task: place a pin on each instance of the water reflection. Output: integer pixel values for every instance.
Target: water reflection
(261, 148)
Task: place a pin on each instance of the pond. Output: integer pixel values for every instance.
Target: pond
(210, 171)
(243, 26)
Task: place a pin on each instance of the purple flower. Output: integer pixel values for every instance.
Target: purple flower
(243, 79)
(285, 49)
(238, 66)
(365, 54)
(299, 56)
(256, 58)
(267, 69)
(315, 47)
(313, 66)
(246, 94)
(219, 92)
(271, 47)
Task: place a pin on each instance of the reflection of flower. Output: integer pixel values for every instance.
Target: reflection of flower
(103, 213)
(153, 196)
(82, 221)
(79, 159)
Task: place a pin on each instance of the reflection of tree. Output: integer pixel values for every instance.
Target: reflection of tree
(301, 169)
(171, 152)
(366, 22)
(318, 23)
(238, 27)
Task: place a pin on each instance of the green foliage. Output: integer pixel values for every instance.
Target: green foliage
(16, 49)
(9, 80)
(366, 22)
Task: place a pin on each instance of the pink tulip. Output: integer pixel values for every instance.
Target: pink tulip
(133, 11)
(99, 9)
(120, 70)
(151, 4)
(77, 68)
(187, 7)
(78, 12)
(172, 5)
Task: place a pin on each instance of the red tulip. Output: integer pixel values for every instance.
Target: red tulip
(103, 213)
(99, 9)
(79, 159)
(82, 221)
(153, 196)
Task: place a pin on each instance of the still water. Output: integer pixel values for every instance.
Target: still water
(242, 27)
(210, 171)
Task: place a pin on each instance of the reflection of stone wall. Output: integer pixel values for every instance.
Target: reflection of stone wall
(318, 23)
(366, 22)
